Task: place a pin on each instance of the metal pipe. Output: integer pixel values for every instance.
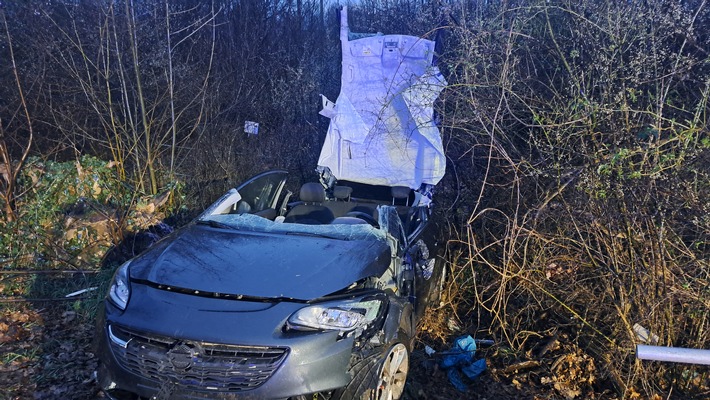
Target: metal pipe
(673, 354)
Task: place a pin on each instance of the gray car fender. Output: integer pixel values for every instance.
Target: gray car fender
(400, 319)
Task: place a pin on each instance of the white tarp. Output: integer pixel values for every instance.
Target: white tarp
(382, 130)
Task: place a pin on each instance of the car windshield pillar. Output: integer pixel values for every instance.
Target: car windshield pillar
(391, 223)
(223, 205)
(260, 193)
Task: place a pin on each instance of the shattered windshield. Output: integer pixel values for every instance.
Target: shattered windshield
(255, 223)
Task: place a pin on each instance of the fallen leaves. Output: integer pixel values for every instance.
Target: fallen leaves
(18, 325)
(20, 333)
(553, 365)
(572, 374)
(45, 354)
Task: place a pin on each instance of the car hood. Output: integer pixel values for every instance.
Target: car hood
(263, 265)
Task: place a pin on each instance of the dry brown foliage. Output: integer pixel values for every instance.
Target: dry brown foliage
(579, 144)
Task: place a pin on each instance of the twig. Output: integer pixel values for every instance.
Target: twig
(30, 300)
(50, 271)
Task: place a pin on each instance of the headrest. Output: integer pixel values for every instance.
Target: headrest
(312, 192)
(342, 192)
(400, 192)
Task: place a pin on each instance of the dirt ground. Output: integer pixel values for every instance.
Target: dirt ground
(47, 354)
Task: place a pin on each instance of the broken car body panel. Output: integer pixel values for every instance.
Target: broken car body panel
(382, 129)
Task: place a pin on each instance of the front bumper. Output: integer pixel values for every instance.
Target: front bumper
(183, 361)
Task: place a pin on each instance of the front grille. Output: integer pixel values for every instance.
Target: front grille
(195, 365)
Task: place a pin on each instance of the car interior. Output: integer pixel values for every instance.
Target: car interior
(317, 206)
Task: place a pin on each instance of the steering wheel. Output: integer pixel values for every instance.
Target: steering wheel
(363, 216)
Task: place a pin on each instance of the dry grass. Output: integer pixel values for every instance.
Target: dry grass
(578, 202)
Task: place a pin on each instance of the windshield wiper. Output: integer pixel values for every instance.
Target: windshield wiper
(215, 295)
(298, 233)
(215, 224)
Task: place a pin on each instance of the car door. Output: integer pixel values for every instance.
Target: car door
(261, 192)
(422, 250)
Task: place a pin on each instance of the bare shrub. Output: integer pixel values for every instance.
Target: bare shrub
(590, 211)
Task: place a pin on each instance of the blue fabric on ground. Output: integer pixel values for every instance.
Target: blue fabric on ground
(461, 354)
(460, 359)
(475, 368)
(455, 379)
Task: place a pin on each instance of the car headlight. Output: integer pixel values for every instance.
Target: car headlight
(120, 289)
(344, 315)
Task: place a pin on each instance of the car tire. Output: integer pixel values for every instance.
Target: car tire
(381, 375)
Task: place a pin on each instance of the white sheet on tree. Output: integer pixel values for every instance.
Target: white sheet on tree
(382, 128)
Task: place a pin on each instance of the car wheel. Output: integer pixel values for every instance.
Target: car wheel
(380, 376)
(393, 373)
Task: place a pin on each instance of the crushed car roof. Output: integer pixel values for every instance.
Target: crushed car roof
(382, 129)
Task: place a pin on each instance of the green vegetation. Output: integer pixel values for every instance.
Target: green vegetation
(68, 215)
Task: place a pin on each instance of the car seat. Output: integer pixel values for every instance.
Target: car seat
(311, 211)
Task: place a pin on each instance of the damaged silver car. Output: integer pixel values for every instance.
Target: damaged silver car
(268, 298)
